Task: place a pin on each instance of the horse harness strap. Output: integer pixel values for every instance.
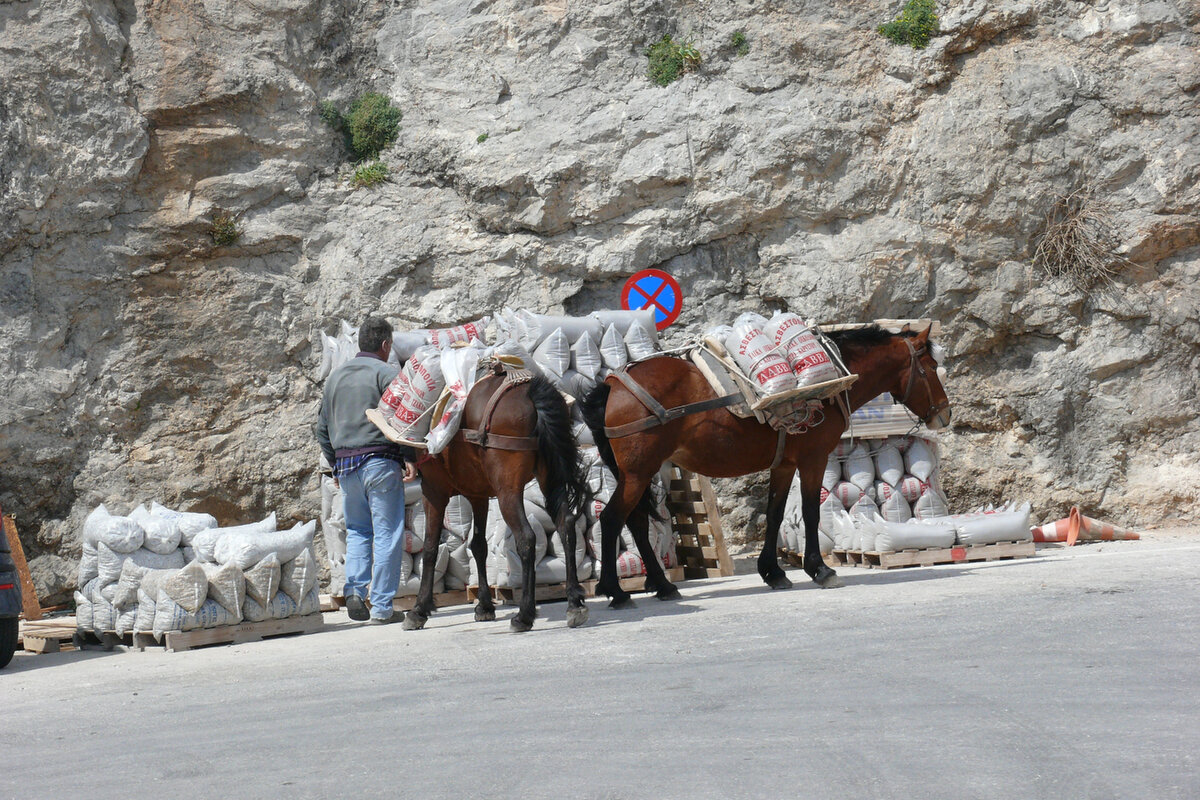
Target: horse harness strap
(483, 436)
(662, 415)
(779, 449)
(916, 368)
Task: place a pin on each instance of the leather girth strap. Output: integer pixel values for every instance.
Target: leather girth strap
(661, 414)
(483, 437)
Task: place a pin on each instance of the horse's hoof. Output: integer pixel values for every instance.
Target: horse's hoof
(671, 592)
(520, 625)
(414, 621)
(484, 614)
(576, 616)
(779, 581)
(622, 602)
(830, 581)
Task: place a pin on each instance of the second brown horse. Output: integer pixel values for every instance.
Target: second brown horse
(720, 445)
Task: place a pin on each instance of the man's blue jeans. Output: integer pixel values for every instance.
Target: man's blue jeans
(374, 498)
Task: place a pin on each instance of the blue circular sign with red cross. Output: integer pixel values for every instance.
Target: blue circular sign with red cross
(655, 289)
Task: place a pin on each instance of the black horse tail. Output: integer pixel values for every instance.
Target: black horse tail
(566, 490)
(593, 406)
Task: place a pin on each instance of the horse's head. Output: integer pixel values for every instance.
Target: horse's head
(919, 388)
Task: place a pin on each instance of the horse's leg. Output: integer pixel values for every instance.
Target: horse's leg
(568, 532)
(810, 506)
(656, 580)
(768, 560)
(435, 512)
(629, 490)
(512, 506)
(485, 608)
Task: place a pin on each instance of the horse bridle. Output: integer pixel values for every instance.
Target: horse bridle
(916, 368)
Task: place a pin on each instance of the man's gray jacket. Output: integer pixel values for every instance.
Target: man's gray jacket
(342, 427)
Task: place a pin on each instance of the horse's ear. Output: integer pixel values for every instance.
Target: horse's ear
(923, 337)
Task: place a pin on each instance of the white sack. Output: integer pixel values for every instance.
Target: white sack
(622, 320)
(585, 356)
(921, 458)
(146, 607)
(109, 564)
(757, 356)
(640, 343)
(612, 348)
(910, 487)
(83, 613)
(459, 367)
(227, 586)
(859, 468)
(539, 327)
(554, 354)
(250, 547)
(120, 534)
(847, 493)
(423, 384)
(805, 355)
(890, 536)
(889, 463)
(1011, 526)
(205, 542)
(190, 522)
(931, 505)
(298, 576)
(161, 535)
(88, 564)
(442, 338)
(262, 580)
(188, 587)
(895, 508)
(833, 472)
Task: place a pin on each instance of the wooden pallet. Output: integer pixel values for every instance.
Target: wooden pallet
(179, 641)
(696, 518)
(1000, 551)
(46, 635)
(440, 599)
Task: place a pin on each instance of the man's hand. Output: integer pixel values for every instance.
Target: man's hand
(410, 471)
(337, 484)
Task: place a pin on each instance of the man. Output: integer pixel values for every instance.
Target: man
(370, 470)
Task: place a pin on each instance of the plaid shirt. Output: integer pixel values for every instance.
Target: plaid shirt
(347, 464)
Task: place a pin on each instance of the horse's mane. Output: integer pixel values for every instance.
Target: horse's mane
(862, 338)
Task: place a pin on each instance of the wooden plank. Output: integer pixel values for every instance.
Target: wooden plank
(181, 641)
(714, 520)
(440, 600)
(29, 599)
(36, 644)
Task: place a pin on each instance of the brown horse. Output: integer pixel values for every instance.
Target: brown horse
(512, 431)
(720, 445)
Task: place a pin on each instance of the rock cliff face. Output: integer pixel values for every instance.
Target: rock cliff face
(827, 171)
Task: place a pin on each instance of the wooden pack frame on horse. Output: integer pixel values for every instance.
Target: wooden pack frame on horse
(718, 444)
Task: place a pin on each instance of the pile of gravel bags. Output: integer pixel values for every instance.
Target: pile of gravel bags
(157, 570)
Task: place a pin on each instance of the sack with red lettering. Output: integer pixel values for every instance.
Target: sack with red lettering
(389, 404)
(423, 375)
(757, 356)
(459, 366)
(442, 338)
(805, 355)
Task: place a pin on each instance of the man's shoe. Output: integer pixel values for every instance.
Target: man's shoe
(356, 608)
(386, 620)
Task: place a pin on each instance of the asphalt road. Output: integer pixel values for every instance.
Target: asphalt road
(1072, 675)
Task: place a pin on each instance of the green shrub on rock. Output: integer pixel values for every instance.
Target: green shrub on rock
(371, 124)
(367, 175)
(225, 229)
(670, 60)
(916, 25)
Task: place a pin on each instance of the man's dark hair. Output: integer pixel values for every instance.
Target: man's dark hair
(373, 333)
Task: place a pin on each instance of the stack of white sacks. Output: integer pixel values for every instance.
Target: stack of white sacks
(158, 570)
(885, 494)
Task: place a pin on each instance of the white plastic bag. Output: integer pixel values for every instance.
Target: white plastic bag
(554, 354)
(612, 348)
(121, 534)
(859, 468)
(921, 458)
(423, 385)
(247, 548)
(205, 542)
(623, 320)
(585, 357)
(1009, 526)
(190, 522)
(889, 463)
(459, 368)
(639, 342)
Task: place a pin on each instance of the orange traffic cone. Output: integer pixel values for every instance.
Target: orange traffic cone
(1076, 526)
